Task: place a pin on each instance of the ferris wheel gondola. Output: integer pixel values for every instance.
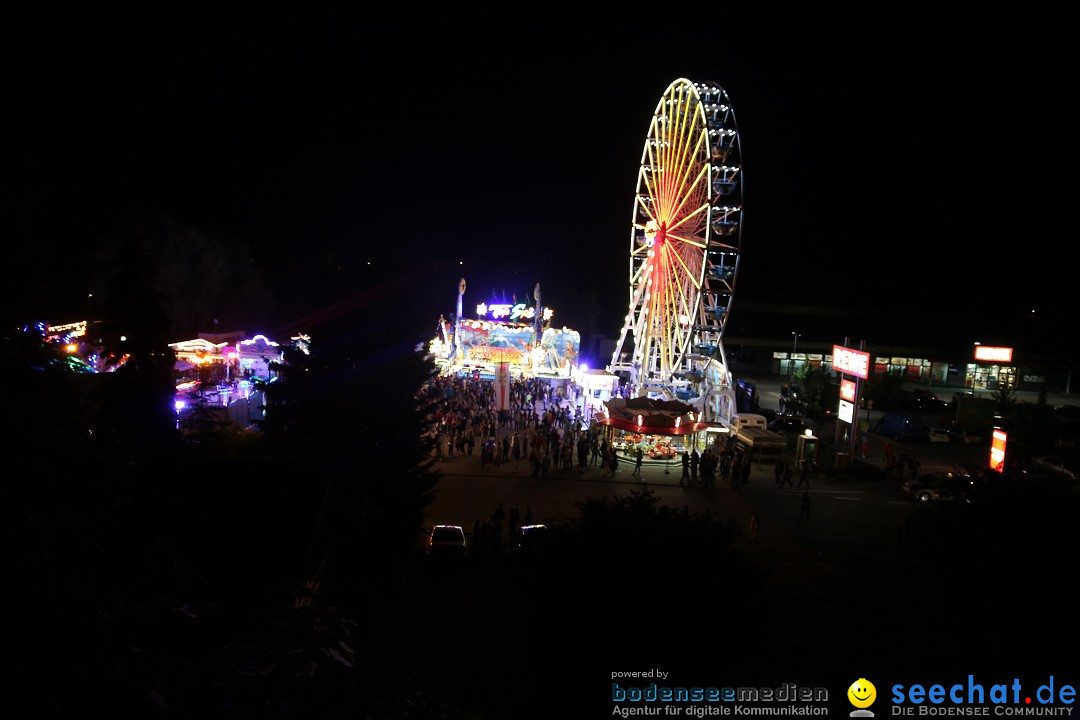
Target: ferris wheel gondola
(685, 242)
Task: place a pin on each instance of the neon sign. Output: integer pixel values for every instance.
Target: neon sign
(499, 311)
(847, 390)
(257, 339)
(993, 354)
(854, 362)
(77, 329)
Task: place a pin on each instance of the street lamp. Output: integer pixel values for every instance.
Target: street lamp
(794, 345)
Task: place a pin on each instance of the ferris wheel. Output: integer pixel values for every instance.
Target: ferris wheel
(685, 239)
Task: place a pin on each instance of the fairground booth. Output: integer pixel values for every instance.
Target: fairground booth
(510, 333)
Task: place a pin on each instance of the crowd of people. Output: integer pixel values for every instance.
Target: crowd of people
(542, 431)
(539, 428)
(726, 461)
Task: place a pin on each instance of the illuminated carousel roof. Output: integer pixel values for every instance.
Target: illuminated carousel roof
(651, 417)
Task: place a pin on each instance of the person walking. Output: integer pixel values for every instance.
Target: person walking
(694, 460)
(788, 474)
(778, 471)
(515, 523)
(638, 457)
(744, 470)
(804, 475)
(685, 479)
(804, 507)
(534, 463)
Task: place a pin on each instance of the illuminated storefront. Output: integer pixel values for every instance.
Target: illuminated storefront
(991, 369)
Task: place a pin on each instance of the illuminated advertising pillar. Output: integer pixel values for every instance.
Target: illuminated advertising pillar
(502, 386)
(997, 450)
(851, 362)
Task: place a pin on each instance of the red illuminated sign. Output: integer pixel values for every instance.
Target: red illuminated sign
(853, 362)
(997, 450)
(993, 354)
(847, 390)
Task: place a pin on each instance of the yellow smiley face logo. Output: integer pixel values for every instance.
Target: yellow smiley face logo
(862, 693)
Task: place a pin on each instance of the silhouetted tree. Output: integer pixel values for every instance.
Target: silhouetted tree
(1004, 397)
(137, 409)
(206, 273)
(350, 412)
(817, 392)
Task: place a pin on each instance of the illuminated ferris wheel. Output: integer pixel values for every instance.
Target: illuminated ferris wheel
(685, 239)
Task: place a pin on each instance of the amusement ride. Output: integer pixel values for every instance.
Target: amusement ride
(685, 240)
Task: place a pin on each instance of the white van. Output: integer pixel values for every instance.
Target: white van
(747, 421)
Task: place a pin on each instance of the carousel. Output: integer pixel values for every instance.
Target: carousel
(658, 427)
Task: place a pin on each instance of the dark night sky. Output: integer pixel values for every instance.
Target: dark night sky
(897, 169)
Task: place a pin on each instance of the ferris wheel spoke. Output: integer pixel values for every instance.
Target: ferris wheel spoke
(696, 215)
(641, 250)
(688, 167)
(715, 244)
(686, 271)
(680, 188)
(689, 240)
(644, 207)
(697, 188)
(673, 154)
(679, 304)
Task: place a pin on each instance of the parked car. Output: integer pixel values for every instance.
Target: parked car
(1068, 412)
(789, 424)
(961, 436)
(532, 538)
(939, 435)
(900, 401)
(1070, 434)
(903, 427)
(1053, 465)
(768, 413)
(946, 486)
(924, 400)
(446, 543)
